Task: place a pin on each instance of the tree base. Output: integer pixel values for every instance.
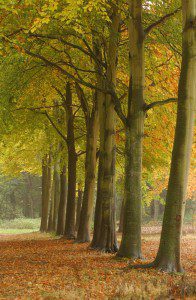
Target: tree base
(59, 233)
(84, 239)
(132, 256)
(113, 249)
(163, 266)
(69, 237)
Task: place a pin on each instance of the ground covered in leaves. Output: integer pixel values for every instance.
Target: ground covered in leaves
(37, 266)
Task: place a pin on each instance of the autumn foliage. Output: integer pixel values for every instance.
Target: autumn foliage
(37, 266)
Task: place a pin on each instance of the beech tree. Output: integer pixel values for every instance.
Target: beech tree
(134, 126)
(104, 237)
(169, 254)
(92, 126)
(46, 190)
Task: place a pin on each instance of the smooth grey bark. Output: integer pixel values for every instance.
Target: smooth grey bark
(98, 205)
(72, 162)
(56, 181)
(63, 201)
(120, 228)
(105, 237)
(100, 97)
(156, 205)
(51, 208)
(79, 206)
(90, 175)
(131, 237)
(46, 186)
(169, 253)
(55, 198)
(13, 203)
(28, 204)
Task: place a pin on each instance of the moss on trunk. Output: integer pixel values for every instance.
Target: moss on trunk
(131, 237)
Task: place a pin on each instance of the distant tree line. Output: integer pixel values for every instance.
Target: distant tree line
(20, 197)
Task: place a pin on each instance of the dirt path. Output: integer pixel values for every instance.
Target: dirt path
(34, 266)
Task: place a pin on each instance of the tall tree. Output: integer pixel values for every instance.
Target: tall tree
(134, 126)
(56, 194)
(55, 198)
(92, 122)
(131, 239)
(72, 161)
(46, 186)
(79, 206)
(169, 254)
(105, 234)
(63, 201)
(51, 207)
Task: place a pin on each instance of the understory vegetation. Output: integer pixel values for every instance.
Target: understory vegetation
(16, 225)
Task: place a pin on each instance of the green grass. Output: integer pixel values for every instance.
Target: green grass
(19, 226)
(15, 231)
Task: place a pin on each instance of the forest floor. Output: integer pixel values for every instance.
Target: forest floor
(39, 266)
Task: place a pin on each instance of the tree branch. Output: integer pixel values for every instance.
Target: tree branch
(63, 71)
(117, 107)
(55, 127)
(78, 47)
(81, 153)
(172, 46)
(83, 101)
(38, 108)
(53, 37)
(160, 21)
(111, 91)
(159, 103)
(60, 94)
(71, 65)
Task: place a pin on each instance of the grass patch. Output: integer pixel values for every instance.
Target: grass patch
(19, 226)
(15, 231)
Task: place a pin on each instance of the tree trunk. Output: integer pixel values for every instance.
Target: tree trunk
(107, 238)
(106, 183)
(72, 162)
(13, 203)
(56, 195)
(51, 212)
(29, 205)
(90, 173)
(31, 200)
(120, 229)
(98, 206)
(46, 185)
(169, 256)
(79, 206)
(100, 97)
(155, 209)
(131, 238)
(62, 203)
(70, 211)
